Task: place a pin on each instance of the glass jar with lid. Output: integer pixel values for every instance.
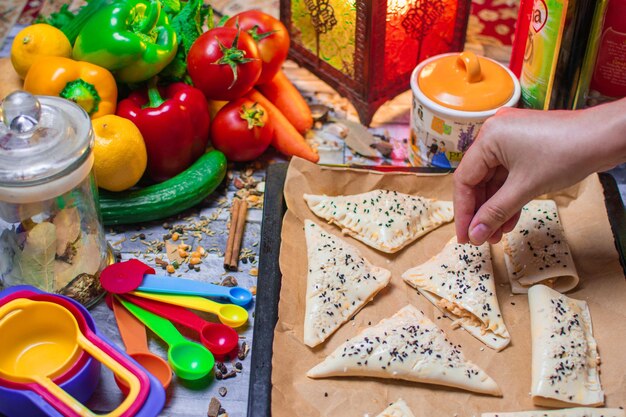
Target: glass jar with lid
(51, 236)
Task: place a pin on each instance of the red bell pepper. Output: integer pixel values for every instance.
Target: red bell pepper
(174, 122)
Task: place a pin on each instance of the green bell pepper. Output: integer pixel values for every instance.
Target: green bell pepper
(131, 38)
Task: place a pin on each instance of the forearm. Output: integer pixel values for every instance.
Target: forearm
(606, 127)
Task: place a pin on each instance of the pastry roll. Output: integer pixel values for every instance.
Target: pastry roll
(406, 346)
(339, 283)
(385, 220)
(459, 282)
(567, 412)
(565, 361)
(397, 409)
(536, 251)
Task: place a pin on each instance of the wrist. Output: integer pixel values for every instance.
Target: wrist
(606, 134)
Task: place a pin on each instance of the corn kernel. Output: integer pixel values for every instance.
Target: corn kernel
(195, 260)
(170, 269)
(175, 236)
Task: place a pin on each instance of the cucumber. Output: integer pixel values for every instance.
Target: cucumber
(167, 198)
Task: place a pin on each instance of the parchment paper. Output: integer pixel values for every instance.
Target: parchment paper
(602, 285)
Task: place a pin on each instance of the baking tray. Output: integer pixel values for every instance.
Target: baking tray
(269, 279)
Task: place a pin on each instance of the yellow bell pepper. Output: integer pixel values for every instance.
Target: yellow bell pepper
(88, 85)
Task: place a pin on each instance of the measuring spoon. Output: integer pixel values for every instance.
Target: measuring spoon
(189, 360)
(41, 340)
(134, 336)
(133, 275)
(229, 314)
(218, 338)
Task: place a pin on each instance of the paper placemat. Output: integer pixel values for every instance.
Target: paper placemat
(602, 285)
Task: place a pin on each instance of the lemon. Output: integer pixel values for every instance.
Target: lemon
(35, 41)
(119, 152)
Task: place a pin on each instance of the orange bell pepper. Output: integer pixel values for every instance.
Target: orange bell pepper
(88, 85)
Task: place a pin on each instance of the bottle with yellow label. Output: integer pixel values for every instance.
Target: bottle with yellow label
(555, 49)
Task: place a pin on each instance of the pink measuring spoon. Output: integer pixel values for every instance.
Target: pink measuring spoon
(218, 338)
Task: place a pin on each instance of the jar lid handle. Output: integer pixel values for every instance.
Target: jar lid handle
(20, 112)
(470, 62)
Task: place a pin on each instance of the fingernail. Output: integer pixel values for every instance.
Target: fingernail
(479, 234)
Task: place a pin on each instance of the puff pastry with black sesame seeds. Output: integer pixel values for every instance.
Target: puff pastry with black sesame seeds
(565, 360)
(536, 251)
(459, 281)
(385, 220)
(406, 346)
(397, 409)
(339, 283)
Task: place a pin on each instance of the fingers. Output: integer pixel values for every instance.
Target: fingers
(475, 169)
(498, 214)
(510, 224)
(464, 206)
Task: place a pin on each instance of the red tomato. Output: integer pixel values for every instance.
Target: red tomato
(271, 36)
(224, 63)
(242, 130)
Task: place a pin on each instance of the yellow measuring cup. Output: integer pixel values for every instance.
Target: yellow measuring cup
(230, 314)
(41, 340)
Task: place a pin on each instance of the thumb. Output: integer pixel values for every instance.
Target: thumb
(495, 212)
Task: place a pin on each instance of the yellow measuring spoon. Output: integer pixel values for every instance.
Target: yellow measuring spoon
(229, 314)
(40, 340)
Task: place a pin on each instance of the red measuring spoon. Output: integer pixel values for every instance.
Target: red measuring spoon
(218, 338)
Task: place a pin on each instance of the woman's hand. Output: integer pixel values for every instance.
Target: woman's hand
(520, 154)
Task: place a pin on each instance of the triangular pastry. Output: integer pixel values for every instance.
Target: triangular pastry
(567, 412)
(406, 346)
(459, 281)
(385, 220)
(397, 409)
(565, 361)
(536, 251)
(339, 283)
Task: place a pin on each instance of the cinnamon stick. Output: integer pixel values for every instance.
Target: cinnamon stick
(241, 225)
(234, 214)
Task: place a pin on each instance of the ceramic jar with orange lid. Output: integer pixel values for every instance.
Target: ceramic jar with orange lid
(453, 95)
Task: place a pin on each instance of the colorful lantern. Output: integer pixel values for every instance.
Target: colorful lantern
(366, 50)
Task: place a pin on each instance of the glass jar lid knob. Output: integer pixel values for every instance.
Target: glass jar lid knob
(20, 112)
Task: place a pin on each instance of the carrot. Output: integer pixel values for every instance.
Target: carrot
(286, 138)
(289, 101)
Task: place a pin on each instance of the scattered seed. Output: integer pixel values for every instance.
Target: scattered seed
(182, 253)
(218, 375)
(175, 236)
(239, 365)
(243, 351)
(254, 272)
(221, 367)
(253, 290)
(170, 269)
(166, 226)
(194, 260)
(214, 408)
(229, 281)
(222, 391)
(238, 183)
(142, 236)
(230, 374)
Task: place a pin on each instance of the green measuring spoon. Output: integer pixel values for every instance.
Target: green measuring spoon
(188, 359)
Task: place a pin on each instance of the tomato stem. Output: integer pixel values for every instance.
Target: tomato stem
(232, 56)
(253, 115)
